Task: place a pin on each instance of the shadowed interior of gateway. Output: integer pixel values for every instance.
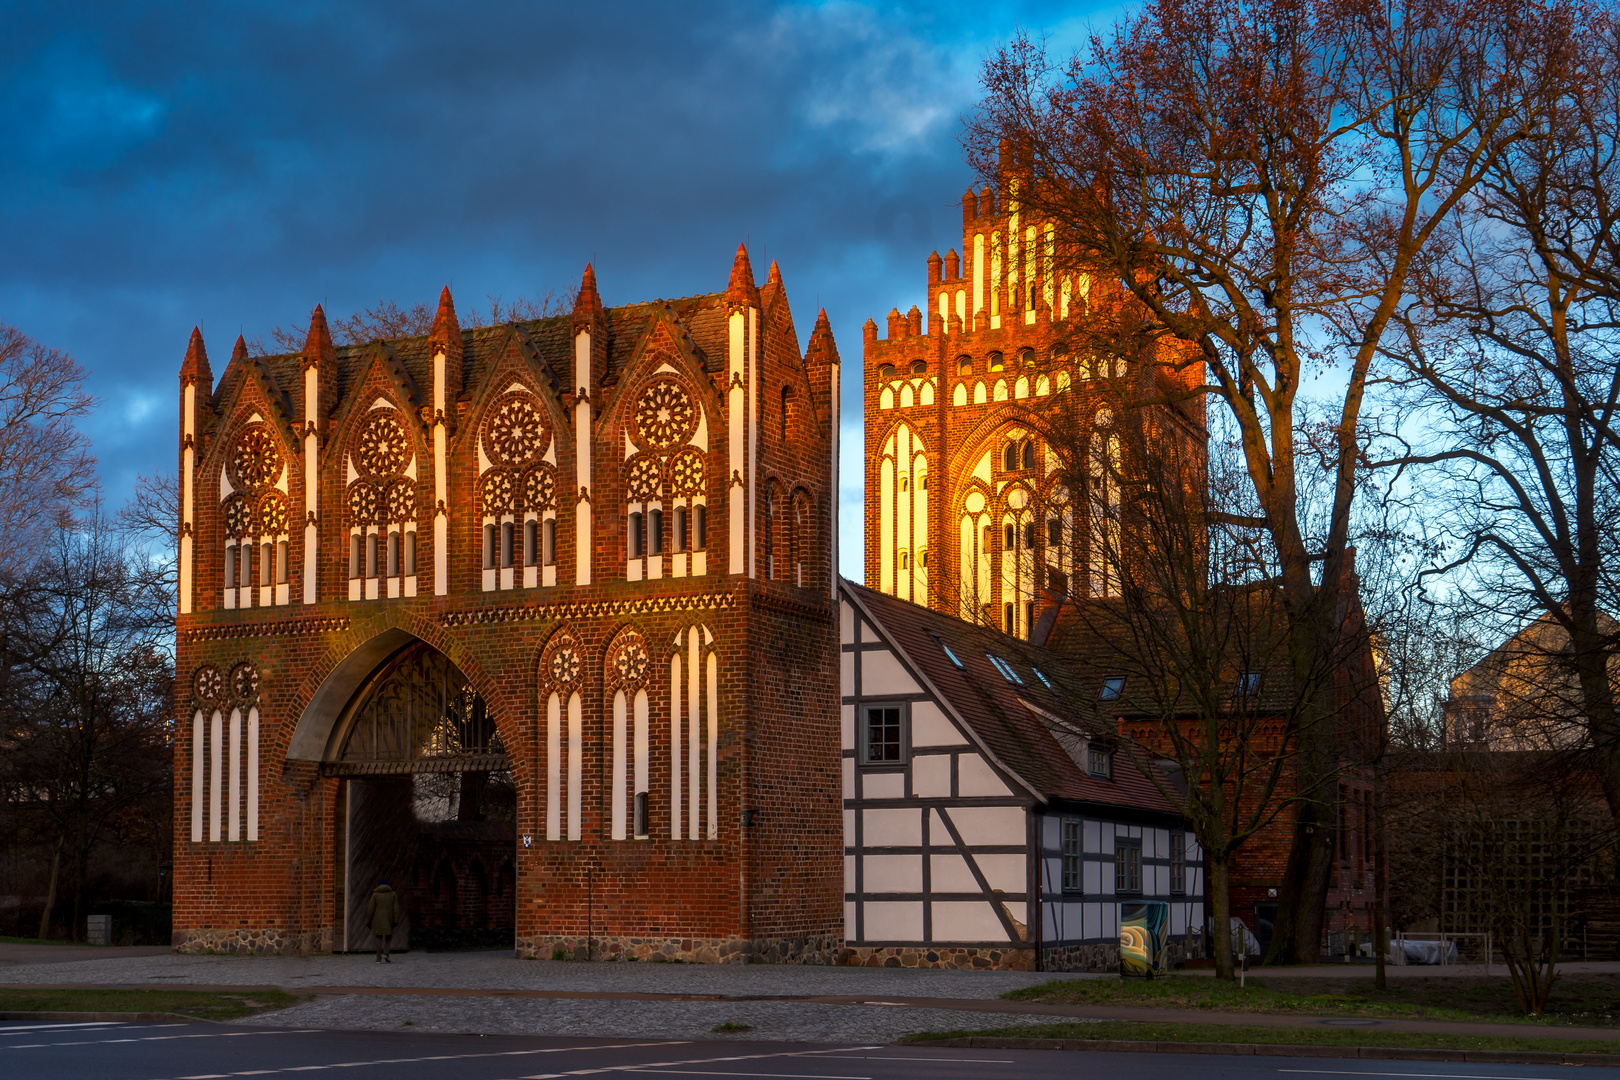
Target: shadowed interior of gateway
(427, 803)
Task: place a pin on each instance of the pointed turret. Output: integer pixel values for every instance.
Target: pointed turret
(742, 289)
(821, 336)
(588, 301)
(319, 357)
(445, 339)
(194, 368)
(936, 267)
(446, 332)
(774, 275)
(239, 350)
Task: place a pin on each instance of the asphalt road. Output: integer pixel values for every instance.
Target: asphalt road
(219, 1052)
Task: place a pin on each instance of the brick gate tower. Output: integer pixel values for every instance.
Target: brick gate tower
(533, 620)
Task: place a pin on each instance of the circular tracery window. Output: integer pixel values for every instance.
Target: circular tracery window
(564, 664)
(497, 490)
(207, 684)
(383, 447)
(631, 661)
(255, 461)
(516, 432)
(687, 472)
(644, 480)
(272, 514)
(665, 414)
(540, 488)
(399, 504)
(363, 504)
(238, 516)
(244, 682)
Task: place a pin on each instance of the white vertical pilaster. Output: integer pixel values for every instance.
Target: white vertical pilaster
(312, 502)
(233, 814)
(584, 547)
(441, 486)
(576, 762)
(832, 494)
(253, 774)
(675, 740)
(735, 465)
(199, 764)
(620, 723)
(216, 771)
(714, 744)
(188, 495)
(753, 441)
(554, 767)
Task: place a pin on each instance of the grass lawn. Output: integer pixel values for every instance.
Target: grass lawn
(206, 1005)
(1222, 1033)
(1583, 1001)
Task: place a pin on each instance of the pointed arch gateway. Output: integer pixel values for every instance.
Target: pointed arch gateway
(426, 782)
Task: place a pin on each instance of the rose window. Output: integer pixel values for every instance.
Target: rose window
(207, 683)
(244, 682)
(564, 665)
(497, 492)
(540, 489)
(273, 515)
(363, 504)
(255, 461)
(687, 472)
(643, 479)
(631, 662)
(238, 516)
(399, 503)
(383, 446)
(665, 414)
(516, 432)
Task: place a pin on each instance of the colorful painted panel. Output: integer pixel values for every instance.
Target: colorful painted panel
(1144, 927)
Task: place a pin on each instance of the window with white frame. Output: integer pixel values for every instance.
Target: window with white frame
(1073, 855)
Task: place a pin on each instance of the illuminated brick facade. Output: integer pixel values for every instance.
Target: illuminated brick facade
(581, 569)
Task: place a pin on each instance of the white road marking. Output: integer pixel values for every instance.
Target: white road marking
(946, 1060)
(780, 1076)
(162, 1038)
(56, 1027)
(1433, 1076)
(667, 1065)
(414, 1060)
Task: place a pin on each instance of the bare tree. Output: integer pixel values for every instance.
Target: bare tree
(387, 321)
(46, 467)
(1513, 353)
(1263, 177)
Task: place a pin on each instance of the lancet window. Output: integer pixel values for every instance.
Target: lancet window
(254, 513)
(903, 516)
(560, 679)
(382, 506)
(1103, 493)
(517, 494)
(225, 755)
(629, 670)
(666, 445)
(694, 735)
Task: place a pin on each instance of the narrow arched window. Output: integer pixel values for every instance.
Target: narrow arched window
(410, 553)
(531, 547)
(371, 555)
(393, 554)
(281, 562)
(506, 543)
(230, 566)
(1029, 453)
(1009, 538)
(491, 538)
(635, 536)
(354, 555)
(1009, 457)
(702, 527)
(655, 527)
(551, 542)
(680, 528)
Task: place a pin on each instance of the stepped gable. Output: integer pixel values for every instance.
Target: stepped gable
(1006, 718)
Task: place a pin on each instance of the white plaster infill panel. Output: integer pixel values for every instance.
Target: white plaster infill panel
(892, 873)
(950, 874)
(900, 827)
(883, 675)
(897, 920)
(1001, 872)
(962, 920)
(983, 826)
(976, 779)
(931, 776)
(883, 785)
(931, 727)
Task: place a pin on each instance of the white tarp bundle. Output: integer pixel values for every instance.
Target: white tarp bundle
(1243, 940)
(1416, 952)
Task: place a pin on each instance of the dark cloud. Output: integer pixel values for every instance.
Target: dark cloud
(231, 165)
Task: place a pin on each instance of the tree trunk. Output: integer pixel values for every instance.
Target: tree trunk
(1297, 937)
(1380, 931)
(81, 875)
(50, 892)
(1220, 900)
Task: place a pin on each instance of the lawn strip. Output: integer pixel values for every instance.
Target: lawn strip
(205, 1005)
(1115, 1030)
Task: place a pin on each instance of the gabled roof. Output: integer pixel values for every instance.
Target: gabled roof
(1034, 730)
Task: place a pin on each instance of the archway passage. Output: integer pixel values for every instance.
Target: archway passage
(427, 803)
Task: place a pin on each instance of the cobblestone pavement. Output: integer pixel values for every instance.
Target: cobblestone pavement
(499, 971)
(789, 1021)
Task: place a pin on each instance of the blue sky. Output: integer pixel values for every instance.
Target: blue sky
(232, 165)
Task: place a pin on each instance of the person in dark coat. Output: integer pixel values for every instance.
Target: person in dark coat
(384, 913)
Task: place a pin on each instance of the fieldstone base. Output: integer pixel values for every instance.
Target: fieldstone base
(943, 956)
(253, 941)
(1097, 956)
(732, 950)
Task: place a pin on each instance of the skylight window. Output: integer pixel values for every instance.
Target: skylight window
(1006, 669)
(1112, 688)
(1041, 675)
(1248, 683)
(954, 659)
